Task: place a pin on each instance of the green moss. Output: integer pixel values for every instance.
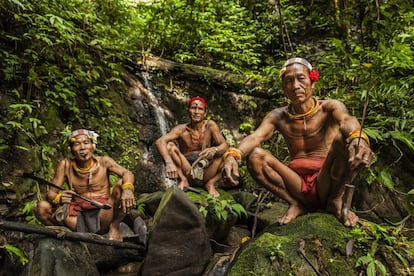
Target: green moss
(322, 225)
(268, 253)
(275, 251)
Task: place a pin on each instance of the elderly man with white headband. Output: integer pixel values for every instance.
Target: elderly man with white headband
(88, 176)
(326, 146)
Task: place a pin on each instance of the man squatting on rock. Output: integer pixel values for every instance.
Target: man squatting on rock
(197, 158)
(326, 146)
(88, 176)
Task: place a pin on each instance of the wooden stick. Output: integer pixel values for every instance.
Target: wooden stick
(65, 235)
(91, 201)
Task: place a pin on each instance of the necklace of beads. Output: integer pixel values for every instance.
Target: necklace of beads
(90, 169)
(311, 112)
(303, 116)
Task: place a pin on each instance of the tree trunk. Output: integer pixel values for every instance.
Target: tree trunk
(228, 80)
(65, 235)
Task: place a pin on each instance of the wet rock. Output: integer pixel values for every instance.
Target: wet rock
(178, 243)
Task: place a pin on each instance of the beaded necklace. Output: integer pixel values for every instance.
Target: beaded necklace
(196, 135)
(90, 169)
(303, 116)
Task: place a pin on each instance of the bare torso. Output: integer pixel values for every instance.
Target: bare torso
(89, 183)
(310, 137)
(192, 140)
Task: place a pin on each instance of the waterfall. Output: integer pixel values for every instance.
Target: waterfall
(160, 113)
(147, 102)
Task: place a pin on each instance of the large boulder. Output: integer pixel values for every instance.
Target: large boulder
(60, 257)
(312, 243)
(178, 242)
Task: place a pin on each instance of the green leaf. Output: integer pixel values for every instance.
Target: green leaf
(385, 179)
(381, 268)
(405, 138)
(371, 269)
(15, 251)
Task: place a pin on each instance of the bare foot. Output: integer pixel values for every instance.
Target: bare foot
(113, 233)
(346, 216)
(212, 190)
(293, 212)
(350, 219)
(183, 184)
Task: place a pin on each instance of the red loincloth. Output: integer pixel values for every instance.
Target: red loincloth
(79, 204)
(308, 169)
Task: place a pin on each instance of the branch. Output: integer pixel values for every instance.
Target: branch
(65, 235)
(248, 85)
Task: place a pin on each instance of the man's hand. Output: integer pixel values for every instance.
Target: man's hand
(66, 196)
(127, 200)
(231, 168)
(171, 170)
(360, 154)
(208, 153)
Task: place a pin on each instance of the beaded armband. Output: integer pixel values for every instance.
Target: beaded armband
(358, 134)
(236, 153)
(127, 185)
(57, 198)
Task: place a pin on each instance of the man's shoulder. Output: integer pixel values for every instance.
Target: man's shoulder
(181, 126)
(331, 103)
(210, 122)
(278, 112)
(103, 159)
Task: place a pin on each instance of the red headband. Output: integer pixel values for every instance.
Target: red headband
(197, 99)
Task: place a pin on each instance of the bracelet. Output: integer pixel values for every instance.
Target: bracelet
(358, 134)
(127, 185)
(216, 149)
(57, 199)
(236, 153)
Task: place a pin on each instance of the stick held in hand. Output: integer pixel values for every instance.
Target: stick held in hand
(91, 201)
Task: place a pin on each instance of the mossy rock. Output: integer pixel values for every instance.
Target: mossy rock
(276, 250)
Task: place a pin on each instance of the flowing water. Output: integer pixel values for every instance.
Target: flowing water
(159, 114)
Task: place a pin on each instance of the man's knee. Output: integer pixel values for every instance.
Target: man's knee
(43, 210)
(339, 146)
(117, 191)
(172, 147)
(256, 156)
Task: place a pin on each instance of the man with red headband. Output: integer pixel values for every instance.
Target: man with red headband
(88, 176)
(192, 151)
(326, 146)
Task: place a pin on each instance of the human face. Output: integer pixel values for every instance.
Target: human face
(296, 83)
(82, 149)
(197, 111)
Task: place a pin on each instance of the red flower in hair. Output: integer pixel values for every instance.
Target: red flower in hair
(314, 75)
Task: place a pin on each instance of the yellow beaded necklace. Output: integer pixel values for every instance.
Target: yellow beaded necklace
(311, 112)
(84, 170)
(303, 116)
(92, 167)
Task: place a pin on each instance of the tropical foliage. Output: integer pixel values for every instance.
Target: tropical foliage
(64, 62)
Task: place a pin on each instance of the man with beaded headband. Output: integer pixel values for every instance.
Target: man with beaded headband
(196, 158)
(326, 146)
(88, 175)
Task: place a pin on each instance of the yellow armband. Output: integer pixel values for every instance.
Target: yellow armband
(57, 198)
(127, 185)
(358, 134)
(236, 153)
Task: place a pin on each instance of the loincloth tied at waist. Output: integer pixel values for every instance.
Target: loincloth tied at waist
(79, 204)
(88, 215)
(308, 170)
(198, 166)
